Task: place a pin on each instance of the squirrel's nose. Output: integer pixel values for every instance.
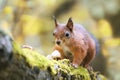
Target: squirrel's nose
(58, 42)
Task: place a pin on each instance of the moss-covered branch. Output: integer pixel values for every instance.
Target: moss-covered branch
(27, 64)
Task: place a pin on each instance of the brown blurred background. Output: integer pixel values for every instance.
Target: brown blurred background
(30, 22)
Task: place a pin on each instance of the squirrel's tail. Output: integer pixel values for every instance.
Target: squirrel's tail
(96, 43)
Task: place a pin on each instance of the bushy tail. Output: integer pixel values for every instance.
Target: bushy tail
(96, 43)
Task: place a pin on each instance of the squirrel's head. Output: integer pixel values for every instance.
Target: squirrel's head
(63, 32)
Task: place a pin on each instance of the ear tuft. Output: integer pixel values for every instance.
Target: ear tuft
(70, 24)
(55, 20)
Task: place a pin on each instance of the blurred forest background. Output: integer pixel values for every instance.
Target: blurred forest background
(30, 22)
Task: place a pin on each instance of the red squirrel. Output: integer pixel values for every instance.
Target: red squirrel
(75, 39)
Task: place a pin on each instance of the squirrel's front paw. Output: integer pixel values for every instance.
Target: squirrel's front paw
(75, 65)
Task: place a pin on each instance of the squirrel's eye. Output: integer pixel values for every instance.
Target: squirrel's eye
(53, 34)
(67, 34)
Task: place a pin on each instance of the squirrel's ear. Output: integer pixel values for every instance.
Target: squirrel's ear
(70, 24)
(55, 20)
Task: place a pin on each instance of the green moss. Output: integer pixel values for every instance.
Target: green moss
(66, 67)
(34, 58)
(61, 67)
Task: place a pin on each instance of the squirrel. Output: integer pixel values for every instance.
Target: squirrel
(74, 39)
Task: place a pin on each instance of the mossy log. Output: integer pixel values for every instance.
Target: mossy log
(26, 64)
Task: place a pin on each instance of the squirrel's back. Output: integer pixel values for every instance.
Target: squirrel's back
(82, 30)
